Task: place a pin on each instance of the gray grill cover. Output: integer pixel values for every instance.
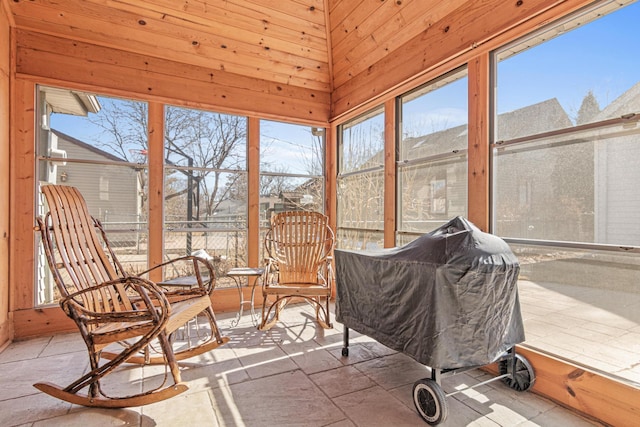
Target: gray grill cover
(449, 299)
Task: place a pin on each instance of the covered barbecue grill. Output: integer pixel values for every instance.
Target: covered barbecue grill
(449, 299)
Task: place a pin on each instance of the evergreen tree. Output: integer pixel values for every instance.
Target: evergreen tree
(588, 110)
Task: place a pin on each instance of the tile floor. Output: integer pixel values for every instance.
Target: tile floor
(292, 375)
(573, 322)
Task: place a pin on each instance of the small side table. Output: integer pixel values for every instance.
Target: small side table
(183, 281)
(236, 274)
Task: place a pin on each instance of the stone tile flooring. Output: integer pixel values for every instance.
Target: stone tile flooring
(292, 375)
(597, 328)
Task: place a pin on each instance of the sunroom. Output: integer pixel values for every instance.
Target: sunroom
(188, 124)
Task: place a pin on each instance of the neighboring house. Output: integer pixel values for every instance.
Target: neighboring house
(438, 191)
(113, 193)
(545, 188)
(617, 175)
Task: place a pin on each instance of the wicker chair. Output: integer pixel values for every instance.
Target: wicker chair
(298, 246)
(109, 306)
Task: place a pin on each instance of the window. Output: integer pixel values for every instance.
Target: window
(565, 183)
(205, 185)
(291, 169)
(432, 167)
(360, 183)
(94, 143)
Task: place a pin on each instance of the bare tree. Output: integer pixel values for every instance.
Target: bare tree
(361, 195)
(200, 145)
(124, 127)
(208, 147)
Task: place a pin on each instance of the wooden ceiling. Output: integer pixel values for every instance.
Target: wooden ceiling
(330, 53)
(313, 44)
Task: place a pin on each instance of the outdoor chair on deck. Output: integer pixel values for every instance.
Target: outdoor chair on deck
(298, 247)
(111, 308)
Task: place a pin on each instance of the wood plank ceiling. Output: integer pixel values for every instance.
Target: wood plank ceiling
(316, 58)
(312, 44)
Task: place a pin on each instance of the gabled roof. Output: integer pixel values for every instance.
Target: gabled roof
(84, 145)
(627, 103)
(530, 120)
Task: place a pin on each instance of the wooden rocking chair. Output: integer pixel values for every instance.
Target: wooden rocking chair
(298, 246)
(109, 306)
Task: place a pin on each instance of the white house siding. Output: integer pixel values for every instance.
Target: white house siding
(617, 177)
(111, 192)
(617, 208)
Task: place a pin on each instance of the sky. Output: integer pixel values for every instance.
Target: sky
(602, 57)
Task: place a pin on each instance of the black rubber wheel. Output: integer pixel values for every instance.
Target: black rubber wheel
(430, 401)
(523, 378)
(345, 351)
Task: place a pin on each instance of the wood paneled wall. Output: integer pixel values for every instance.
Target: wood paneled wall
(282, 41)
(6, 328)
(89, 66)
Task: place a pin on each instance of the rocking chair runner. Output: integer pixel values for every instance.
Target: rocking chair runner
(109, 306)
(299, 245)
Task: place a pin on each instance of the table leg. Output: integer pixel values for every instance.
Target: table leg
(254, 319)
(242, 302)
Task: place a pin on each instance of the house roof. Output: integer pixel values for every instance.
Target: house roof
(530, 120)
(93, 149)
(627, 103)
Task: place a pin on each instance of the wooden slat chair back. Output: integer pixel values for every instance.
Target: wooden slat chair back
(81, 254)
(110, 306)
(298, 246)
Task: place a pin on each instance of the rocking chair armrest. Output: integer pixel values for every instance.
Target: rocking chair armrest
(149, 301)
(93, 317)
(205, 282)
(270, 263)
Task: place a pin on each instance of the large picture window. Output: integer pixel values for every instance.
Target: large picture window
(432, 166)
(205, 186)
(565, 183)
(97, 144)
(291, 168)
(360, 182)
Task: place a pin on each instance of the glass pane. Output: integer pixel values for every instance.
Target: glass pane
(204, 198)
(205, 186)
(361, 201)
(578, 188)
(285, 193)
(434, 118)
(292, 169)
(82, 138)
(91, 127)
(576, 73)
(228, 249)
(204, 139)
(359, 240)
(431, 193)
(362, 143)
(114, 196)
(434, 123)
(360, 192)
(574, 300)
(286, 148)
